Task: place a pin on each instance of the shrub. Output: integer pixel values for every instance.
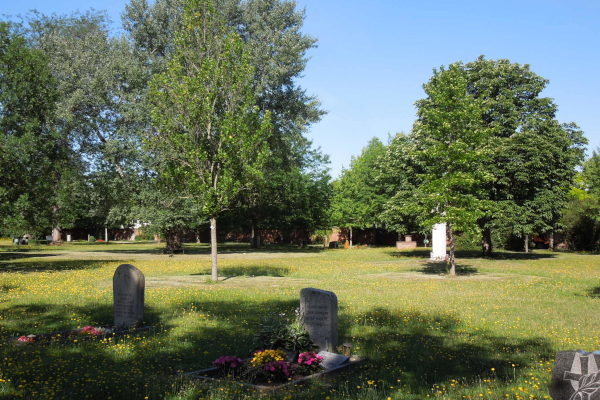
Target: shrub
(92, 239)
(283, 333)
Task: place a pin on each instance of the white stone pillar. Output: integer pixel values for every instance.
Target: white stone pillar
(68, 238)
(106, 234)
(438, 242)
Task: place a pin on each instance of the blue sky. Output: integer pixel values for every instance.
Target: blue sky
(374, 56)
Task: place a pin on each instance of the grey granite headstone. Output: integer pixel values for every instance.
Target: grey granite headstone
(332, 360)
(319, 311)
(128, 294)
(576, 376)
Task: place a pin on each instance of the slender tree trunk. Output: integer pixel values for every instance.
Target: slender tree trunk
(253, 239)
(486, 237)
(325, 238)
(213, 248)
(551, 242)
(452, 261)
(526, 243)
(56, 229)
(350, 237)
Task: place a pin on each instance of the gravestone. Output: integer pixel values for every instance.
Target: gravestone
(576, 375)
(319, 311)
(128, 295)
(438, 242)
(407, 244)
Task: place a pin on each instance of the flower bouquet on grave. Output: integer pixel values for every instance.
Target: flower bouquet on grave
(229, 366)
(309, 362)
(269, 366)
(26, 339)
(95, 331)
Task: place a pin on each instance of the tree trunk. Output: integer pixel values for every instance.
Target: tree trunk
(173, 239)
(452, 261)
(213, 248)
(253, 239)
(551, 242)
(56, 229)
(486, 238)
(325, 238)
(526, 243)
(350, 237)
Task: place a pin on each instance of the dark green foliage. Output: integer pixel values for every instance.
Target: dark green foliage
(280, 333)
(533, 157)
(30, 150)
(357, 201)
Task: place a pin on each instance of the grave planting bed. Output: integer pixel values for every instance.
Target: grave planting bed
(210, 375)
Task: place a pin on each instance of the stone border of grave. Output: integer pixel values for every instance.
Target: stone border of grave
(67, 336)
(208, 375)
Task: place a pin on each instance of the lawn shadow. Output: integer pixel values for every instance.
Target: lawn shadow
(472, 254)
(51, 265)
(18, 255)
(249, 271)
(136, 368)
(594, 293)
(441, 268)
(427, 349)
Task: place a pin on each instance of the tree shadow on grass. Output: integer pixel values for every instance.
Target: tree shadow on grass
(594, 292)
(441, 268)
(471, 254)
(137, 366)
(13, 255)
(51, 265)
(249, 271)
(429, 349)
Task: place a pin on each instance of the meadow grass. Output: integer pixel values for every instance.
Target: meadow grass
(492, 332)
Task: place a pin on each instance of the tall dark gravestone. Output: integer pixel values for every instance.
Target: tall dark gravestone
(319, 311)
(576, 376)
(128, 295)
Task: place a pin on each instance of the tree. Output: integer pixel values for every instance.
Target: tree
(210, 138)
(397, 171)
(521, 126)
(28, 144)
(276, 47)
(450, 147)
(99, 85)
(356, 201)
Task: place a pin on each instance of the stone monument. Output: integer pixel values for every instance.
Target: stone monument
(128, 295)
(319, 312)
(438, 243)
(407, 244)
(576, 376)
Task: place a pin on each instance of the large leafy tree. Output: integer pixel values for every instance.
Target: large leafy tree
(28, 144)
(357, 201)
(450, 146)
(397, 171)
(533, 156)
(210, 136)
(271, 32)
(99, 85)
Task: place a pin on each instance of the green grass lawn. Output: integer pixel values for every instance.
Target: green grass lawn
(491, 332)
